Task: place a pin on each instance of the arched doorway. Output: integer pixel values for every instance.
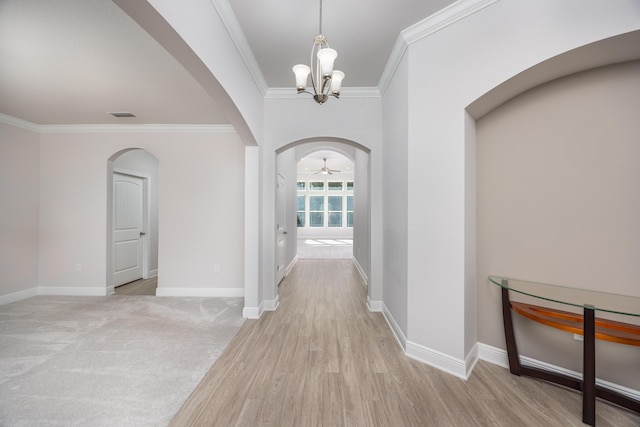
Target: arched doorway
(132, 220)
(287, 159)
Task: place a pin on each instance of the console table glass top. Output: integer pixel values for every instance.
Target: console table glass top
(575, 297)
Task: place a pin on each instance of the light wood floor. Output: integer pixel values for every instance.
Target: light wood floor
(322, 359)
(139, 287)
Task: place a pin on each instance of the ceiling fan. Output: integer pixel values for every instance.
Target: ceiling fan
(325, 170)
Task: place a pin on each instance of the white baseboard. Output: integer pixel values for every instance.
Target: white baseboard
(85, 291)
(271, 304)
(363, 275)
(437, 359)
(395, 328)
(17, 296)
(111, 290)
(499, 357)
(251, 312)
(200, 292)
(291, 265)
(153, 273)
(374, 306)
(458, 367)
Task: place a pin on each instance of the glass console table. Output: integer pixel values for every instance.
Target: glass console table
(573, 310)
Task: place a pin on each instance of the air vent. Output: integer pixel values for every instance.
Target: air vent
(122, 114)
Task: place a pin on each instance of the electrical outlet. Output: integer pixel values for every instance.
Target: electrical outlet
(578, 337)
(216, 268)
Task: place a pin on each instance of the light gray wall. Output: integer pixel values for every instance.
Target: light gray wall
(201, 205)
(141, 161)
(395, 191)
(558, 202)
(362, 213)
(19, 191)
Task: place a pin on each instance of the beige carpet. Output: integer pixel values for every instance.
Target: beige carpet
(107, 361)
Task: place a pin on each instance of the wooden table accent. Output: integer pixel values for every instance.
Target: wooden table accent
(591, 329)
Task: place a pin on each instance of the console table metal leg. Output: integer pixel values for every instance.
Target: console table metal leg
(589, 368)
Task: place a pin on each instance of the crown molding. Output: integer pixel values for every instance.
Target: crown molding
(347, 92)
(19, 123)
(141, 128)
(428, 26)
(230, 22)
(115, 128)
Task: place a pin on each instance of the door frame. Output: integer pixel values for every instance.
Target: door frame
(281, 212)
(146, 220)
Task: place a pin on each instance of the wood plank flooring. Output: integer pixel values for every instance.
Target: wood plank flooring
(139, 287)
(322, 359)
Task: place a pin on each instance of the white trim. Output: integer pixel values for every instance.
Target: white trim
(200, 292)
(84, 291)
(363, 275)
(443, 18)
(18, 296)
(251, 312)
(291, 265)
(499, 357)
(23, 124)
(141, 128)
(271, 304)
(153, 273)
(471, 360)
(230, 22)
(111, 290)
(437, 359)
(374, 306)
(116, 128)
(395, 328)
(347, 92)
(393, 62)
(493, 355)
(430, 25)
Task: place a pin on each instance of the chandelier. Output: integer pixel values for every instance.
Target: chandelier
(325, 80)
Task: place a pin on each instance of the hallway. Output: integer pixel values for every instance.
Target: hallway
(322, 359)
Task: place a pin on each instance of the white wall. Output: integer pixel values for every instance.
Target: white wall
(396, 190)
(558, 202)
(439, 210)
(201, 205)
(19, 182)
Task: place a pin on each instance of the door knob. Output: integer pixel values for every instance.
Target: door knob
(142, 233)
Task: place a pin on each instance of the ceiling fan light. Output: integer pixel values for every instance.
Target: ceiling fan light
(326, 57)
(336, 82)
(302, 75)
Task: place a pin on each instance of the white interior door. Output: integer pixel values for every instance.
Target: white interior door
(128, 228)
(281, 240)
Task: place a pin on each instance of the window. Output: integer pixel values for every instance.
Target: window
(316, 185)
(316, 211)
(325, 203)
(334, 185)
(335, 211)
(349, 211)
(301, 210)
